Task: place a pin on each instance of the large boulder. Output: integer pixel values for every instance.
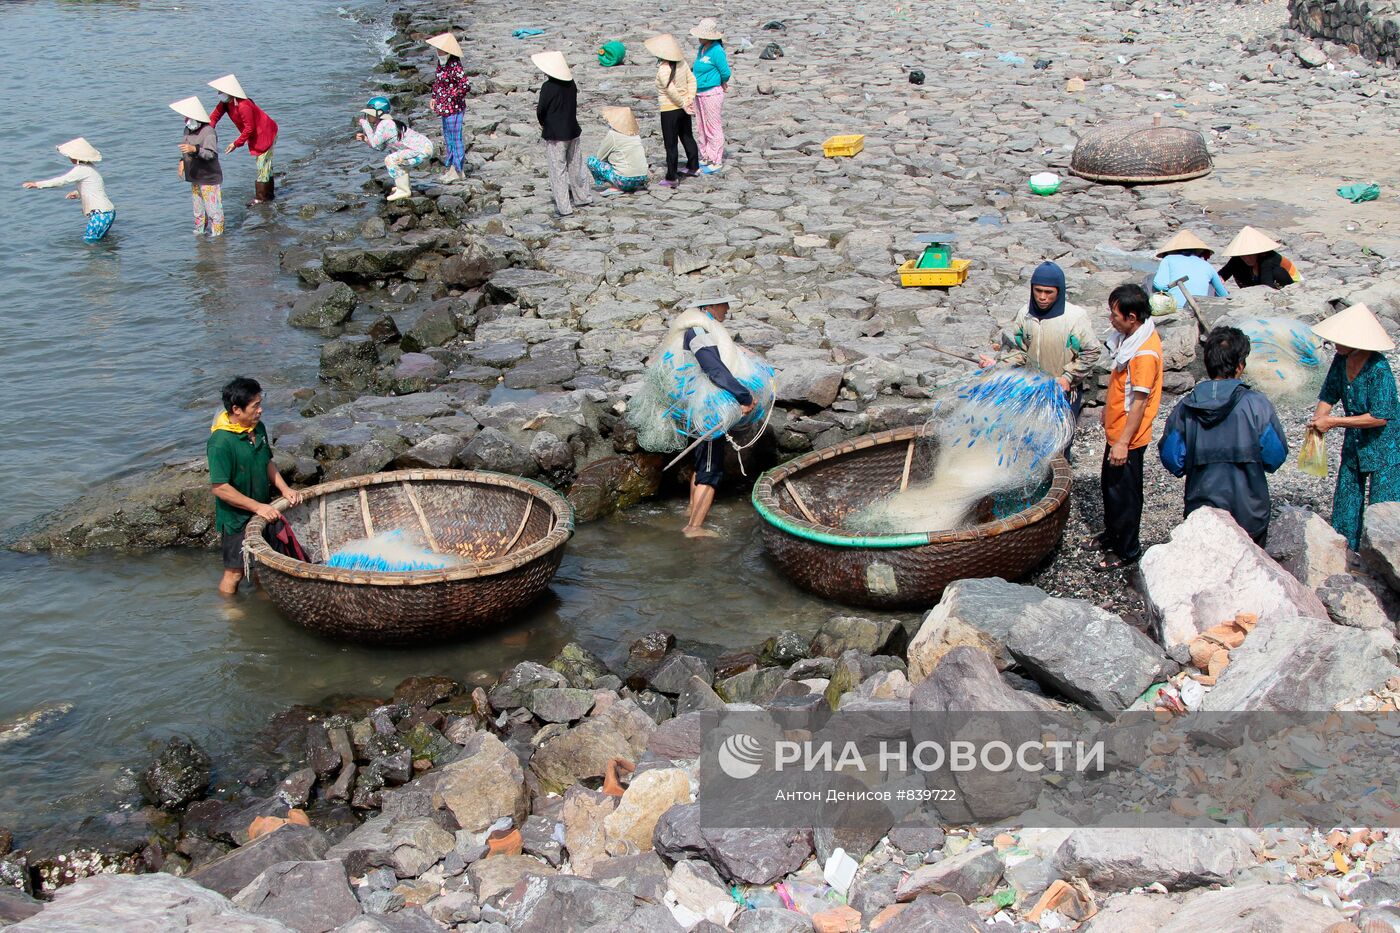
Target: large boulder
(1306, 546)
(493, 449)
(743, 855)
(934, 913)
(1292, 663)
(581, 752)
(976, 613)
(1256, 907)
(1380, 541)
(868, 636)
(409, 846)
(483, 785)
(1120, 859)
(629, 828)
(142, 902)
(365, 264)
(584, 816)
(808, 382)
(310, 897)
(970, 875)
(436, 325)
(1211, 570)
(494, 876)
(231, 873)
(330, 305)
(556, 903)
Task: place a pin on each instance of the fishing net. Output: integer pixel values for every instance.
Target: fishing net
(389, 551)
(994, 437)
(1284, 361)
(678, 403)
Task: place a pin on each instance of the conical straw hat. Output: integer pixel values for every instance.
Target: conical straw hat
(228, 84)
(447, 42)
(1355, 327)
(1182, 241)
(1248, 242)
(713, 298)
(707, 28)
(665, 47)
(80, 149)
(192, 108)
(622, 119)
(553, 64)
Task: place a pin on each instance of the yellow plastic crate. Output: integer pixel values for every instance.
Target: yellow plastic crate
(911, 276)
(843, 146)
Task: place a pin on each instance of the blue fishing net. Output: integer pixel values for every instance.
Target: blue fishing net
(678, 403)
(1284, 357)
(1022, 413)
(390, 551)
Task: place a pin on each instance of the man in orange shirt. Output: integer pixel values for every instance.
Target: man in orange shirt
(1134, 394)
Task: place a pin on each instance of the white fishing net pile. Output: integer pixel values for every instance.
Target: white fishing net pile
(392, 551)
(677, 403)
(1285, 360)
(997, 433)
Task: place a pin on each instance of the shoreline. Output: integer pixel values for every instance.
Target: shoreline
(584, 422)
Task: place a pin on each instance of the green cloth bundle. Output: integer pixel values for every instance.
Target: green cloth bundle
(1358, 193)
(611, 54)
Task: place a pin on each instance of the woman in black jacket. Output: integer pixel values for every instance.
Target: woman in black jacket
(557, 112)
(1255, 260)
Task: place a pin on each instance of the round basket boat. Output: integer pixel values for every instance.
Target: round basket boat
(1140, 153)
(804, 501)
(511, 530)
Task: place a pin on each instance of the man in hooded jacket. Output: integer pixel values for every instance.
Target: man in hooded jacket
(1224, 437)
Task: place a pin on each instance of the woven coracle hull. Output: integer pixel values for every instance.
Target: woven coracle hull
(1141, 153)
(512, 530)
(892, 571)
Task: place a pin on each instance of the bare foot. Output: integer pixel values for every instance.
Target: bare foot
(233, 613)
(701, 532)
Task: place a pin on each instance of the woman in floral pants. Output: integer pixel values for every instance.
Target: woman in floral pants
(199, 165)
(407, 146)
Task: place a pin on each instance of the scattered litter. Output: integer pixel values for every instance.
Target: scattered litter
(1045, 183)
(776, 25)
(916, 77)
(611, 54)
(1011, 58)
(1358, 193)
(526, 33)
(840, 871)
(1166, 95)
(771, 52)
(1042, 63)
(1215, 87)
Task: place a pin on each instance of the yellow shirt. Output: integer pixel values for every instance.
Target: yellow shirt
(680, 93)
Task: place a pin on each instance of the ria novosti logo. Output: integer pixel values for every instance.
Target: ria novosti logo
(740, 756)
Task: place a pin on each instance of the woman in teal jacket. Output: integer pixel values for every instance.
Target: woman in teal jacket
(711, 84)
(1360, 378)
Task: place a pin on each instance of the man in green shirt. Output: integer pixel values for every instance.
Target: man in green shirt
(241, 473)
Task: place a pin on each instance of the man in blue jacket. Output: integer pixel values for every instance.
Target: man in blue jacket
(1224, 437)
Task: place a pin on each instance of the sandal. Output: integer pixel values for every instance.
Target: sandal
(1114, 562)
(1096, 543)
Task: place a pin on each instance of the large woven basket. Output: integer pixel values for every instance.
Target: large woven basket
(902, 571)
(512, 530)
(1140, 153)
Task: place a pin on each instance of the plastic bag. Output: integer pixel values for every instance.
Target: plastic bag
(1312, 456)
(1358, 193)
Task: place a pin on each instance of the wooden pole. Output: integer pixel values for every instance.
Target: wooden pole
(797, 500)
(908, 462)
(422, 517)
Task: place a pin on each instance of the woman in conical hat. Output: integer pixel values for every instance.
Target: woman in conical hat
(557, 112)
(675, 93)
(199, 165)
(450, 87)
(621, 163)
(1186, 255)
(712, 75)
(99, 211)
(1361, 380)
(1255, 260)
(255, 128)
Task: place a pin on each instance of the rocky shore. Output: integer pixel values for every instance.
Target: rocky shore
(469, 327)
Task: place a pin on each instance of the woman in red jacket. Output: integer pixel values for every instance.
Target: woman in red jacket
(254, 128)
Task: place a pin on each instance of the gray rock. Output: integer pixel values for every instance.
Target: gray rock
(673, 673)
(1119, 859)
(416, 372)
(561, 704)
(1090, 656)
(1293, 663)
(643, 875)
(15, 906)
(808, 382)
(178, 776)
(330, 305)
(518, 684)
(484, 785)
(972, 613)
(771, 920)
(1248, 909)
(577, 753)
(492, 449)
(1380, 541)
(680, 738)
(1132, 912)
(934, 914)
(1352, 603)
(497, 875)
(677, 835)
(433, 328)
(311, 897)
(233, 872)
(409, 846)
(756, 858)
(348, 361)
(917, 838)
(970, 875)
(537, 836)
(1306, 546)
(1211, 570)
(142, 902)
(365, 264)
(698, 696)
(555, 903)
(843, 633)
(755, 686)
(580, 667)
(436, 452)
